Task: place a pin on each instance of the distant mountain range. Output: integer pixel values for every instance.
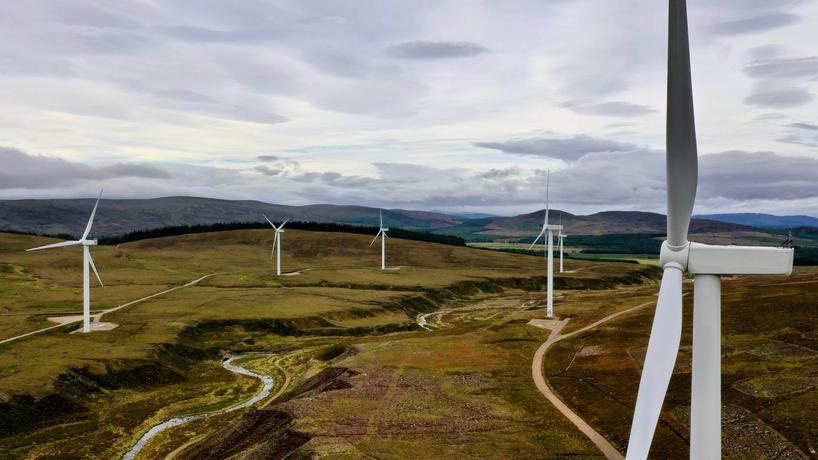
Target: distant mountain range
(116, 217)
(764, 220)
(609, 222)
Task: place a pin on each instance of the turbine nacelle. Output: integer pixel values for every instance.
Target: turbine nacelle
(705, 259)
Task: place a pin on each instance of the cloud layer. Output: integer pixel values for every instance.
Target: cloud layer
(431, 104)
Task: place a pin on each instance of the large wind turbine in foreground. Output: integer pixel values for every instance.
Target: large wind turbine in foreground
(382, 233)
(706, 263)
(548, 231)
(277, 244)
(86, 262)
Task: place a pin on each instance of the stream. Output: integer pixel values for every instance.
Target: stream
(176, 421)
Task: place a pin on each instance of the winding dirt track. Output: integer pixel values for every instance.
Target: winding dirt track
(542, 383)
(65, 320)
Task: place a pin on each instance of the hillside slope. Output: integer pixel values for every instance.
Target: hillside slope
(115, 217)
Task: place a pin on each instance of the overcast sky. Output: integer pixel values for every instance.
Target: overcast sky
(437, 105)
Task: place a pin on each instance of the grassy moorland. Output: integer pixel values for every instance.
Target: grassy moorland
(769, 368)
(355, 374)
(93, 395)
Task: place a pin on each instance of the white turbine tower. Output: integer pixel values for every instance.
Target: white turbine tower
(382, 233)
(706, 263)
(86, 262)
(548, 231)
(277, 244)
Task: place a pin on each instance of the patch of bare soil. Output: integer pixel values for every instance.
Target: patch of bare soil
(776, 385)
(778, 349)
(383, 401)
(593, 350)
(745, 436)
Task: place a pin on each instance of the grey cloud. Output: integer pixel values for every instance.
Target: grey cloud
(740, 175)
(807, 126)
(783, 68)
(41, 172)
(569, 149)
(268, 171)
(499, 173)
(610, 109)
(778, 97)
(799, 139)
(337, 63)
(765, 52)
(88, 14)
(805, 134)
(436, 50)
(335, 179)
(755, 24)
(267, 158)
(619, 124)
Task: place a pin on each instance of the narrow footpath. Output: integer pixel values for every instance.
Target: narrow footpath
(95, 318)
(542, 382)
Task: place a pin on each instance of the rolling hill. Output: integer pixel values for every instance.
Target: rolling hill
(608, 222)
(116, 217)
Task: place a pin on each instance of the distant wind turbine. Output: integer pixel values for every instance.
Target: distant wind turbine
(277, 244)
(548, 231)
(86, 262)
(707, 263)
(382, 233)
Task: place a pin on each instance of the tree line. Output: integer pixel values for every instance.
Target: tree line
(310, 226)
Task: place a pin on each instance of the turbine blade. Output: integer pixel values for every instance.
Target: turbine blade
(268, 221)
(537, 239)
(282, 224)
(663, 346)
(682, 159)
(374, 239)
(547, 187)
(272, 253)
(91, 219)
(380, 212)
(55, 245)
(94, 267)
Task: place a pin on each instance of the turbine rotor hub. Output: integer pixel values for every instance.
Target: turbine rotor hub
(674, 256)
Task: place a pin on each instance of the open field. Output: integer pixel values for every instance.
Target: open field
(95, 393)
(354, 372)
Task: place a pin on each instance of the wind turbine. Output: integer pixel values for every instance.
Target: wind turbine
(86, 262)
(707, 263)
(277, 244)
(382, 233)
(548, 231)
